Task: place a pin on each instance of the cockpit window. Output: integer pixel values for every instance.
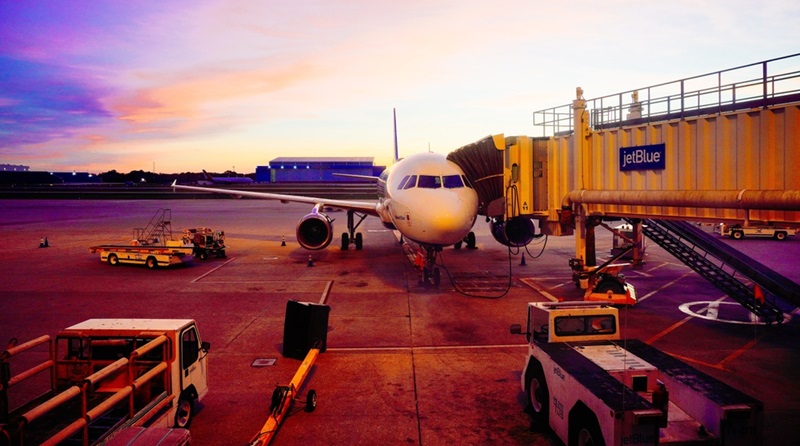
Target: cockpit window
(412, 181)
(433, 182)
(453, 181)
(466, 183)
(403, 183)
(430, 181)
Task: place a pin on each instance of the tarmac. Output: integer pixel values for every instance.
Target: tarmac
(405, 364)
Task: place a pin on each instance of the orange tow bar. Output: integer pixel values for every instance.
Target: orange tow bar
(282, 399)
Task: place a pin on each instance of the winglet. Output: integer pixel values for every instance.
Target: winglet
(174, 182)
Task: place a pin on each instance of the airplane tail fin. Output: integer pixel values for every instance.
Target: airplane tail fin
(208, 177)
(396, 150)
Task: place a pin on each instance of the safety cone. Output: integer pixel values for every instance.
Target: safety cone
(283, 240)
(522, 262)
(310, 261)
(46, 243)
(41, 242)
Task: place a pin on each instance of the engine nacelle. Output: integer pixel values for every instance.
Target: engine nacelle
(515, 233)
(315, 231)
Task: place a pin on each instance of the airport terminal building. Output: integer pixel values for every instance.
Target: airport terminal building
(316, 169)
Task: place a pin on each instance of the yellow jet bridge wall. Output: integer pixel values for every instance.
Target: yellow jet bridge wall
(753, 150)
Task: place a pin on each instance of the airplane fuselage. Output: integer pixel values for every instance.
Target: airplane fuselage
(428, 199)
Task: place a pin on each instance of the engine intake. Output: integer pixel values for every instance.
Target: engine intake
(315, 231)
(516, 232)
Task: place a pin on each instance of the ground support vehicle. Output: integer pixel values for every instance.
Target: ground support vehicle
(207, 242)
(592, 388)
(106, 375)
(604, 283)
(283, 397)
(152, 256)
(741, 231)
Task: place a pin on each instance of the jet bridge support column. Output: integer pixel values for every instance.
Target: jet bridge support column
(580, 151)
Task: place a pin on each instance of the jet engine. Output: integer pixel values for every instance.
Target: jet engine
(315, 231)
(515, 232)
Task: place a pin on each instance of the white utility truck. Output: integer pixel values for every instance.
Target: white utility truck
(105, 375)
(592, 388)
(739, 231)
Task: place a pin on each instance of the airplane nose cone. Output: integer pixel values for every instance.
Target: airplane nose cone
(448, 223)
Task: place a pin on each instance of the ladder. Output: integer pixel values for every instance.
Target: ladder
(157, 231)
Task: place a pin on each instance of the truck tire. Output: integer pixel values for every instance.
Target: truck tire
(584, 429)
(610, 284)
(537, 393)
(738, 235)
(113, 260)
(151, 262)
(184, 412)
(780, 235)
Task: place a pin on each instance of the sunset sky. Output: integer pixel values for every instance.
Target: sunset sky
(184, 85)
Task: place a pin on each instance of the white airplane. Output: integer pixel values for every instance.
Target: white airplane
(209, 180)
(425, 197)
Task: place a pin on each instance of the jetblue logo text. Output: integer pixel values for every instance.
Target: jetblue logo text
(642, 157)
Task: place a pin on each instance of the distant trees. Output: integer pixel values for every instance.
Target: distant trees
(140, 176)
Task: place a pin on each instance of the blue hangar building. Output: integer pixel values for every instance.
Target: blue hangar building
(316, 169)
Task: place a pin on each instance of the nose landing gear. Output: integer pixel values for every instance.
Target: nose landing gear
(431, 275)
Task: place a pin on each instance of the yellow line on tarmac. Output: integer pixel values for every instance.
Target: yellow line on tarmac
(208, 273)
(324, 298)
(740, 351)
(675, 325)
(532, 283)
(421, 348)
(668, 284)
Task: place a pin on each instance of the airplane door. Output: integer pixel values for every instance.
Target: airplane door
(194, 363)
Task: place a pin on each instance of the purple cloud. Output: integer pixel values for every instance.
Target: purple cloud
(40, 102)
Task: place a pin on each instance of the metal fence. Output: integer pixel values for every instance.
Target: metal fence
(760, 84)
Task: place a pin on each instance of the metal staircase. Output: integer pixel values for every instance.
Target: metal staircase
(157, 231)
(708, 256)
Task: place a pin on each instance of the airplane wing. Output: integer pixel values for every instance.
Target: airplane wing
(360, 177)
(366, 207)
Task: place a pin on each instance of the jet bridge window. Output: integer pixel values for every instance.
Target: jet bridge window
(583, 325)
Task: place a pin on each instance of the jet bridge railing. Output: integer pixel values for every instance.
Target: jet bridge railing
(760, 84)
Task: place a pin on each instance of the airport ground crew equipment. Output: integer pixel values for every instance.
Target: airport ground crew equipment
(593, 388)
(283, 399)
(105, 375)
(172, 253)
(739, 232)
(152, 246)
(605, 283)
(207, 242)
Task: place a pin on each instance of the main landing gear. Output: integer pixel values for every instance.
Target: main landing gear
(351, 237)
(469, 240)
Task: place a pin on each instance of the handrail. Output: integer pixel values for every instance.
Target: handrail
(753, 85)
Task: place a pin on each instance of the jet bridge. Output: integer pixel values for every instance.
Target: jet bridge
(719, 147)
